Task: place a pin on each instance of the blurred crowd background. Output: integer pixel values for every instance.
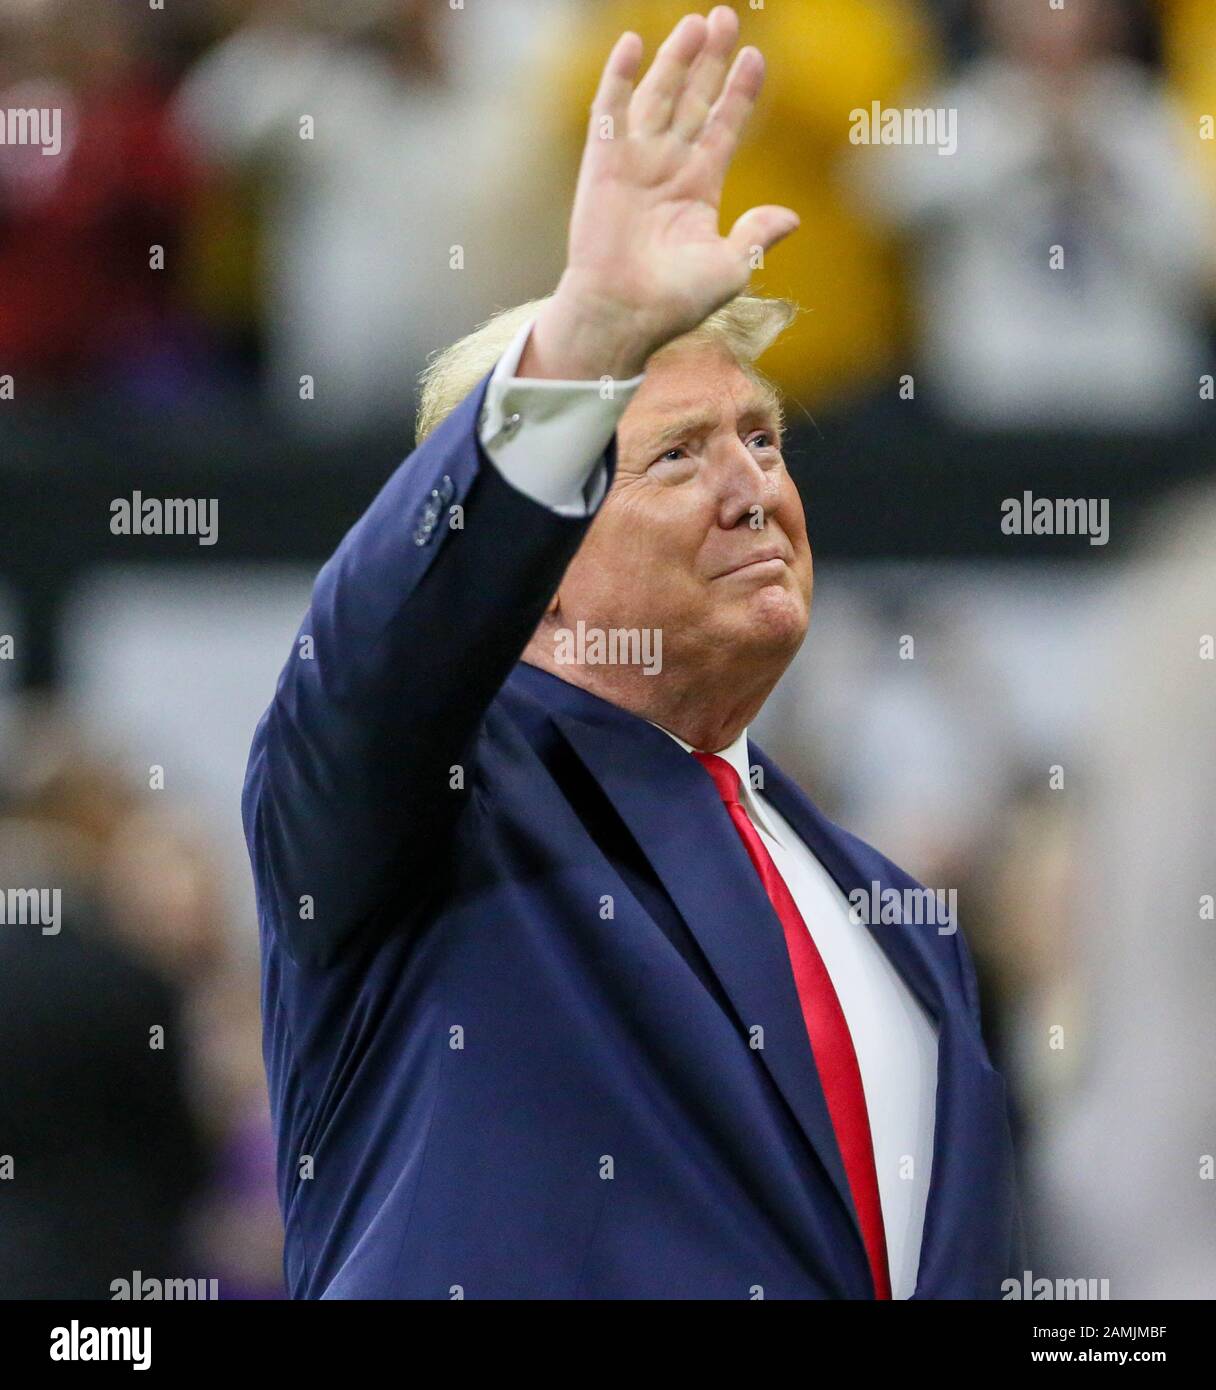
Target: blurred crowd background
(267, 213)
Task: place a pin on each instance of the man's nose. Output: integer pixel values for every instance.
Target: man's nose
(745, 489)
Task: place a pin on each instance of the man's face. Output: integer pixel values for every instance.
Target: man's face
(702, 535)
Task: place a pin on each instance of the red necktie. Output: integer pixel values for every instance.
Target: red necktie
(826, 1027)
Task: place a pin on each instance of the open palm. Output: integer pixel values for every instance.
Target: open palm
(644, 240)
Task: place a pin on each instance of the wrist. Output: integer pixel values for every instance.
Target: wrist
(580, 337)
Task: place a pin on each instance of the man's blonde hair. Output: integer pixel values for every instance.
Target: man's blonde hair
(745, 326)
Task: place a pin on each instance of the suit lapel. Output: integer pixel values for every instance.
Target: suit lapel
(671, 808)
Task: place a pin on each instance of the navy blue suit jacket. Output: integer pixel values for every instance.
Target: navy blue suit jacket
(516, 961)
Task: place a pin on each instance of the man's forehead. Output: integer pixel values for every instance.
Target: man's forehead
(701, 394)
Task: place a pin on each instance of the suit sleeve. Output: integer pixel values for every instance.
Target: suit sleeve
(362, 763)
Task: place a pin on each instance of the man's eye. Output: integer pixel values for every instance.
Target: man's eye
(677, 452)
(765, 439)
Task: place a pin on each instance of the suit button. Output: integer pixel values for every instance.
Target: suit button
(446, 491)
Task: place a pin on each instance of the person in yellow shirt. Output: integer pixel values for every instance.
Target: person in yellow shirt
(1189, 52)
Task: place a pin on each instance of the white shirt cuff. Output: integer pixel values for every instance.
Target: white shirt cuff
(546, 437)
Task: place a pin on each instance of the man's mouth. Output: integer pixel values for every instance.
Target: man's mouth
(766, 561)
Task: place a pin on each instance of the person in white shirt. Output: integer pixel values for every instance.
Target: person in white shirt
(1063, 251)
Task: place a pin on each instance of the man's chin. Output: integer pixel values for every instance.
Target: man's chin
(771, 620)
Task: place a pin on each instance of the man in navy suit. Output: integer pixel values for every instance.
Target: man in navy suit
(568, 991)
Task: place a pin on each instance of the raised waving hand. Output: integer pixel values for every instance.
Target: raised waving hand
(646, 261)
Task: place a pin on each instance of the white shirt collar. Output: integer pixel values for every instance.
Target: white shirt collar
(736, 755)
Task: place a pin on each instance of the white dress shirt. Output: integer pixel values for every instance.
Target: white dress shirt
(547, 438)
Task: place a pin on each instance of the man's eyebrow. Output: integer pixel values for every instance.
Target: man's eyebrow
(756, 408)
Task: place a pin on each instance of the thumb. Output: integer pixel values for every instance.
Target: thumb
(764, 226)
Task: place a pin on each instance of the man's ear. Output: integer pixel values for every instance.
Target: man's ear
(540, 645)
